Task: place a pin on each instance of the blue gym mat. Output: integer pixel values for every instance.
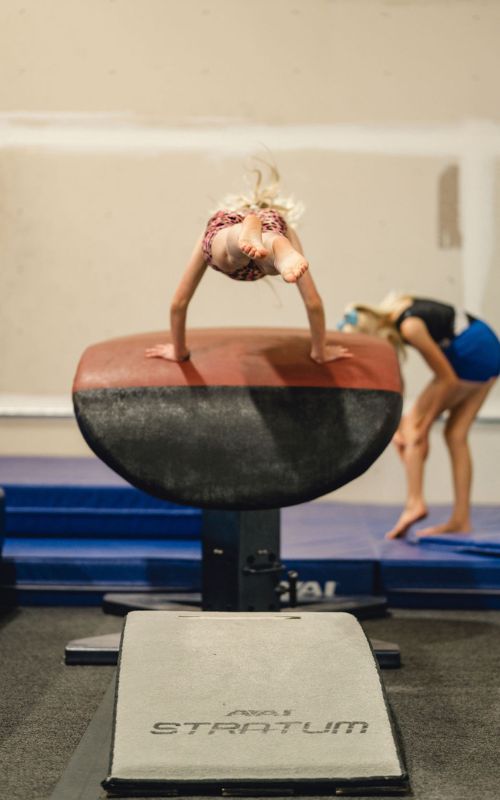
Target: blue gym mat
(75, 530)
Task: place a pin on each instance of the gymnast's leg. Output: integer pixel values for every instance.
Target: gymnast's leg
(413, 453)
(234, 246)
(284, 259)
(456, 434)
(413, 448)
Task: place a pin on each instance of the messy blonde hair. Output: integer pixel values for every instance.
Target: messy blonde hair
(264, 195)
(378, 320)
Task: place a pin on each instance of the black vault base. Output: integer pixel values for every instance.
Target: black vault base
(241, 571)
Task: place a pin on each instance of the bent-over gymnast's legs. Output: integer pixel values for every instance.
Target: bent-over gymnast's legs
(413, 449)
(456, 433)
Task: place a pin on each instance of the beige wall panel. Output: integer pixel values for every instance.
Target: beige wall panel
(93, 247)
(41, 437)
(491, 306)
(492, 292)
(280, 61)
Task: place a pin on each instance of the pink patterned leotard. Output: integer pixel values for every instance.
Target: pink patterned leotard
(271, 221)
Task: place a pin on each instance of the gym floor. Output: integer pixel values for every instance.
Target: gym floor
(448, 682)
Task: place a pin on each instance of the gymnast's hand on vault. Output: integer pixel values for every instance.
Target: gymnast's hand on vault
(331, 352)
(166, 351)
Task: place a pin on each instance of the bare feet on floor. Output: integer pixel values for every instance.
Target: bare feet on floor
(452, 526)
(289, 262)
(408, 518)
(250, 239)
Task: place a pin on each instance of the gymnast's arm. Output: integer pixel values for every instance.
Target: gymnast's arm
(445, 379)
(195, 269)
(320, 351)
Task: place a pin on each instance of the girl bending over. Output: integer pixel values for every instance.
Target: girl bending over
(246, 240)
(464, 355)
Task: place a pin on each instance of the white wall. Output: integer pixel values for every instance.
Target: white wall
(122, 122)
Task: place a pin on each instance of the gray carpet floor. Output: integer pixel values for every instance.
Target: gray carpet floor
(446, 698)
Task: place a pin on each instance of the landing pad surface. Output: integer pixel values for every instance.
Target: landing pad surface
(219, 701)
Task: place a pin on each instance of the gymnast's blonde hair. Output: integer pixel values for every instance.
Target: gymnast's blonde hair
(379, 321)
(264, 195)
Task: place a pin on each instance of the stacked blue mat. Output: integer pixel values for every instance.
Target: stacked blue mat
(74, 530)
(69, 541)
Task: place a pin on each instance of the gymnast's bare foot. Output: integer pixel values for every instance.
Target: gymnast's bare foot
(289, 262)
(452, 526)
(250, 239)
(410, 515)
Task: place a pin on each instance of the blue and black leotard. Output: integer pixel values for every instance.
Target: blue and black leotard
(469, 344)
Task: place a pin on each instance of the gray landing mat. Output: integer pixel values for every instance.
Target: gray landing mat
(250, 702)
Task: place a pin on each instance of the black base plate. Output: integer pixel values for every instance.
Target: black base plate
(102, 650)
(362, 606)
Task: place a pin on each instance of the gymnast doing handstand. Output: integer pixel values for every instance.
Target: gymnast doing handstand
(249, 238)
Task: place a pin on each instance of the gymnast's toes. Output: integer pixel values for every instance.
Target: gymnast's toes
(252, 250)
